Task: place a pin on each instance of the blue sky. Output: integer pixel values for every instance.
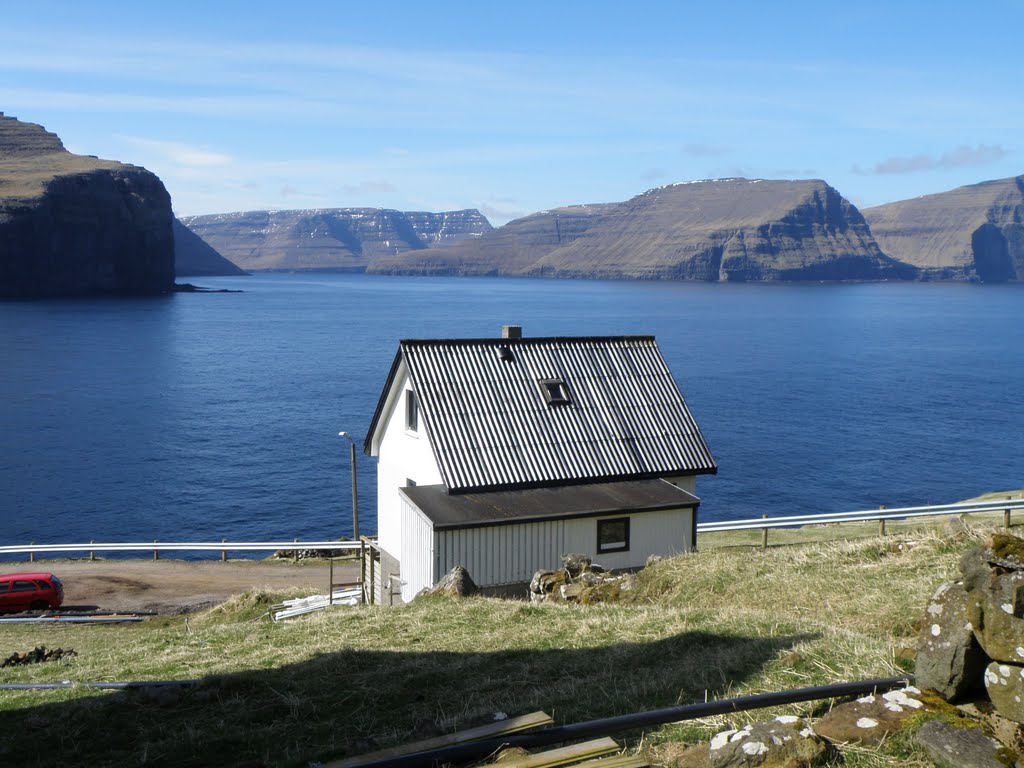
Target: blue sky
(517, 107)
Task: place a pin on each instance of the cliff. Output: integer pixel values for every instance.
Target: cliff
(718, 230)
(194, 257)
(969, 233)
(72, 225)
(348, 239)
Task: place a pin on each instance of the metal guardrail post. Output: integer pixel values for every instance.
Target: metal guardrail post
(32, 554)
(223, 552)
(881, 523)
(330, 583)
(764, 533)
(295, 553)
(1006, 515)
(92, 554)
(156, 552)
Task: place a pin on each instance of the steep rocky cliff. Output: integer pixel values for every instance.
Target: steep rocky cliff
(723, 229)
(331, 238)
(72, 225)
(194, 257)
(969, 233)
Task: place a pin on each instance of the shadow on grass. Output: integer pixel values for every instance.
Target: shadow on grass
(350, 702)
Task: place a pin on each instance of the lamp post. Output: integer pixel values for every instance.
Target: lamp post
(355, 497)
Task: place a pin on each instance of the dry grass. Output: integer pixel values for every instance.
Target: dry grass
(24, 178)
(717, 623)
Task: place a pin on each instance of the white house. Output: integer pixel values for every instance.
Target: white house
(503, 454)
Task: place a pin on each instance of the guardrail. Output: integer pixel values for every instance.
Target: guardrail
(156, 547)
(881, 515)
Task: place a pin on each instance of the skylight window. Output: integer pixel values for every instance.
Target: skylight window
(555, 392)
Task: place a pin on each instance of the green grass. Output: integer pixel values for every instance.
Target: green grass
(722, 622)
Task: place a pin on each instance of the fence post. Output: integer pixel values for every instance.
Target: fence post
(881, 523)
(372, 596)
(156, 552)
(223, 552)
(362, 569)
(31, 553)
(92, 554)
(764, 533)
(1006, 515)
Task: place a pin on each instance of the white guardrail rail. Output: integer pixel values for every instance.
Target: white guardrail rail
(867, 515)
(180, 546)
(757, 523)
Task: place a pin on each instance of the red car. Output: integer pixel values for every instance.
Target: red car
(29, 592)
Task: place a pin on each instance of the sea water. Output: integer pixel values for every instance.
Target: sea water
(209, 416)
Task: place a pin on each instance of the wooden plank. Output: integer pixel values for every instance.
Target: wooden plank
(563, 755)
(490, 730)
(615, 761)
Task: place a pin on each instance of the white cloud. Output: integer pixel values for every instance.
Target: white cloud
(963, 156)
(180, 154)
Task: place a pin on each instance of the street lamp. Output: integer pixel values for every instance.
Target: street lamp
(355, 497)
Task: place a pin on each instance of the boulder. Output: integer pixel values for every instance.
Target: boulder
(870, 719)
(988, 571)
(1005, 686)
(544, 584)
(949, 660)
(1001, 633)
(951, 747)
(785, 742)
(456, 584)
(574, 565)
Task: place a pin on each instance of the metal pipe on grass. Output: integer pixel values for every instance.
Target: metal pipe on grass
(591, 728)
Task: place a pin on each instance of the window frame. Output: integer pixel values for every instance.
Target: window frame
(412, 412)
(555, 392)
(623, 546)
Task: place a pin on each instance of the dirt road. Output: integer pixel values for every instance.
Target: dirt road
(178, 586)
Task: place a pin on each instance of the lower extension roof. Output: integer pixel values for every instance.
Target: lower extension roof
(473, 510)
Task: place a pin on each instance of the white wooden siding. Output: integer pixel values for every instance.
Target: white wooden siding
(403, 456)
(665, 533)
(417, 553)
(511, 554)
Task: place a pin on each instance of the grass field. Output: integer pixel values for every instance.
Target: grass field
(725, 621)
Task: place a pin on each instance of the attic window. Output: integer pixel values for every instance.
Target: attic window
(555, 392)
(412, 411)
(505, 353)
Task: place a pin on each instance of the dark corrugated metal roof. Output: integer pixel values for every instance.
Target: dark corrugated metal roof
(471, 510)
(491, 427)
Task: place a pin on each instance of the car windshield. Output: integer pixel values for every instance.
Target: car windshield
(56, 581)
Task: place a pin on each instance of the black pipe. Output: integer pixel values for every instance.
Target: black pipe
(477, 750)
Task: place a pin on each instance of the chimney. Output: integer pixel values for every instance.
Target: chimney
(511, 331)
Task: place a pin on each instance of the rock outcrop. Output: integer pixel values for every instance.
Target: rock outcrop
(973, 632)
(719, 230)
(194, 257)
(336, 239)
(969, 233)
(72, 225)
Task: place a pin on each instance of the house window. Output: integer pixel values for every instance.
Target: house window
(555, 392)
(410, 483)
(613, 535)
(412, 411)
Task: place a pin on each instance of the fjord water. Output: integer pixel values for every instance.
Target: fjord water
(209, 416)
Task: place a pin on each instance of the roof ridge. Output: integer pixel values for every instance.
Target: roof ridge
(499, 341)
